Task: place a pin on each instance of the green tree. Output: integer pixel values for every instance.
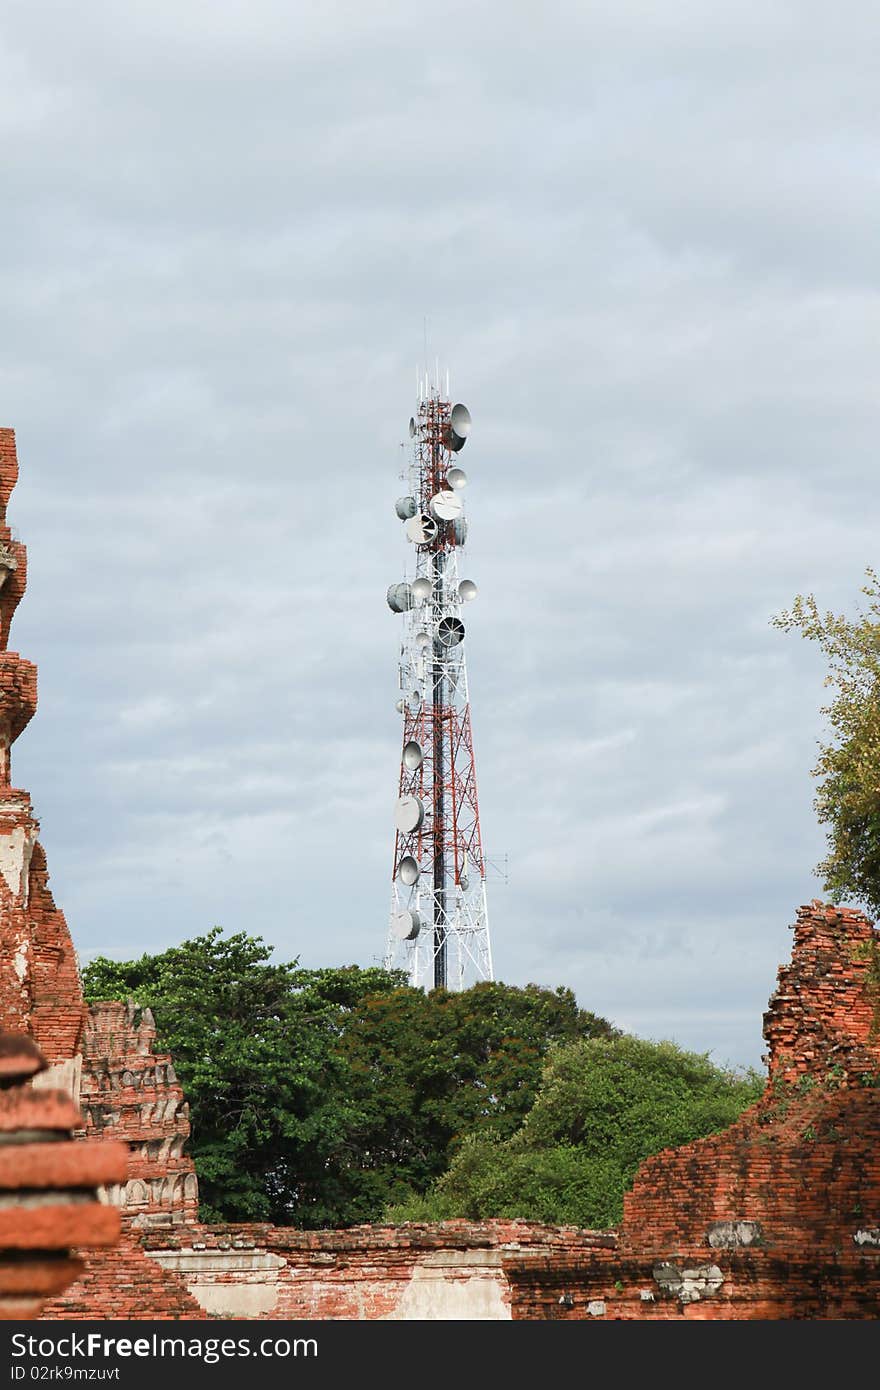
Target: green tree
(423, 1071)
(253, 1044)
(319, 1096)
(848, 790)
(604, 1105)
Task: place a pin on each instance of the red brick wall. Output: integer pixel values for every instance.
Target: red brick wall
(451, 1269)
(124, 1283)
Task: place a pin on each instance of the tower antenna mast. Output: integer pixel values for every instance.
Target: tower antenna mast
(439, 928)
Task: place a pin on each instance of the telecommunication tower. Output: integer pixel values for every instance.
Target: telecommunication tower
(439, 929)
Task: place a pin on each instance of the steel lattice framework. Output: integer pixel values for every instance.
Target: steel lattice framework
(439, 929)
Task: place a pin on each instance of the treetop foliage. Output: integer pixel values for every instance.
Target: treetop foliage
(848, 790)
(603, 1106)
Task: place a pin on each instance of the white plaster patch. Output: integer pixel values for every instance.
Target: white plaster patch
(734, 1235)
(460, 1259)
(62, 1076)
(20, 961)
(236, 1300)
(869, 1237)
(252, 1294)
(689, 1285)
(27, 855)
(431, 1296)
(205, 1263)
(12, 858)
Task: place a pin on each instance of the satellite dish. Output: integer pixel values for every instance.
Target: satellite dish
(459, 530)
(422, 639)
(415, 701)
(454, 442)
(400, 706)
(446, 506)
(464, 876)
(450, 631)
(405, 507)
(467, 590)
(406, 925)
(421, 589)
(409, 815)
(399, 597)
(413, 428)
(460, 421)
(412, 755)
(408, 871)
(456, 478)
(421, 529)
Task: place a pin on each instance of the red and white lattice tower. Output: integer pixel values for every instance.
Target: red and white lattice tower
(439, 930)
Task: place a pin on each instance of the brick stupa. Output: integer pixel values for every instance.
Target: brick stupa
(39, 984)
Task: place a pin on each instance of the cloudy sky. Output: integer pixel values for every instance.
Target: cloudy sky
(645, 238)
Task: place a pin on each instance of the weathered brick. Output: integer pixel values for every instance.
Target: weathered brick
(61, 1164)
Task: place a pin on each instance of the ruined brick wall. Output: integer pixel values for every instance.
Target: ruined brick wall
(824, 1014)
(57, 1014)
(448, 1270)
(124, 1283)
(778, 1216)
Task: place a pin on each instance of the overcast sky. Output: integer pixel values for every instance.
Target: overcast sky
(645, 237)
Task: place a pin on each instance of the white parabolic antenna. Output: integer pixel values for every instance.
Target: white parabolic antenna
(408, 870)
(446, 506)
(450, 631)
(421, 529)
(405, 507)
(460, 420)
(467, 590)
(399, 598)
(421, 589)
(412, 755)
(409, 815)
(406, 925)
(456, 478)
